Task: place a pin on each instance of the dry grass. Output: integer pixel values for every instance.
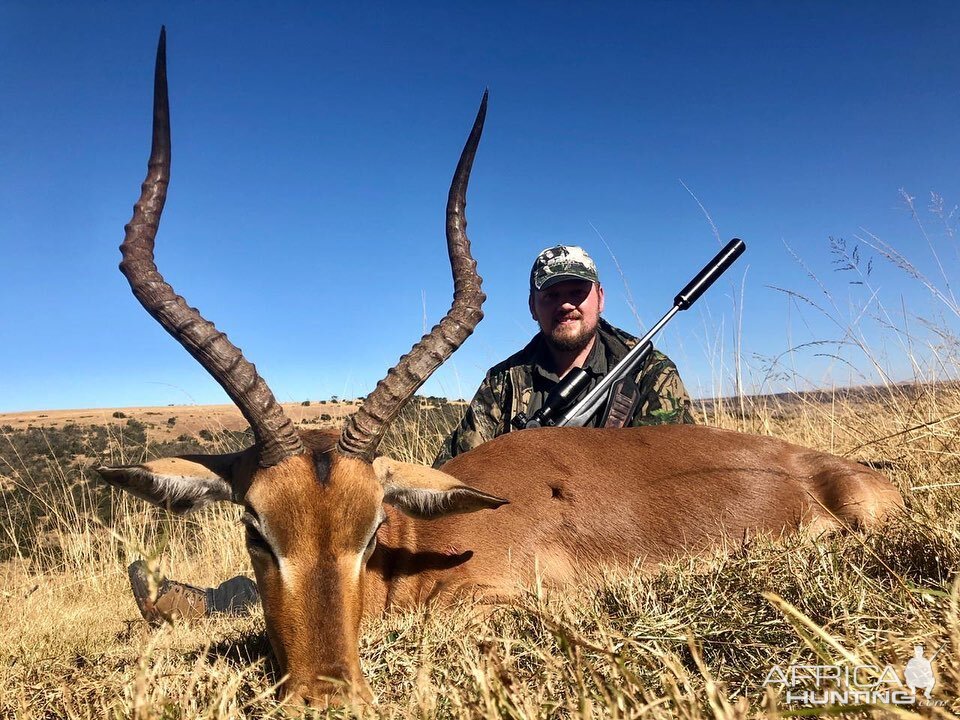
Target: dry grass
(695, 641)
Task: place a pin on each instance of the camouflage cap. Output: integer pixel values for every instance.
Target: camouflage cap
(562, 262)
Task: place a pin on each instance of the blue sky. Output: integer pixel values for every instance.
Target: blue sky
(313, 145)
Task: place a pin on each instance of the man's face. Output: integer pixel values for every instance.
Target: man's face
(568, 312)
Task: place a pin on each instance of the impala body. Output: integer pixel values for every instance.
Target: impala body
(336, 531)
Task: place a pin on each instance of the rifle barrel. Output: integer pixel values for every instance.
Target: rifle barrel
(581, 413)
(711, 271)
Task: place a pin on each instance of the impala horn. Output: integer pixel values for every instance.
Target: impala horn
(275, 435)
(363, 431)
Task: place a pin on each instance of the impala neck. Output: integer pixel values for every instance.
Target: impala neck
(401, 573)
(390, 564)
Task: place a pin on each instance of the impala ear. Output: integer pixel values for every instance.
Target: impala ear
(425, 493)
(179, 484)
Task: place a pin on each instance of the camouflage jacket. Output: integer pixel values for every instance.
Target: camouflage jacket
(521, 383)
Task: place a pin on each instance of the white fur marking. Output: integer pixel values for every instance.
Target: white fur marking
(286, 571)
(177, 491)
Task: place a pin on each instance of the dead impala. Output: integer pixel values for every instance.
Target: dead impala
(335, 531)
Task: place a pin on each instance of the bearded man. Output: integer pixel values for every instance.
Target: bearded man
(566, 300)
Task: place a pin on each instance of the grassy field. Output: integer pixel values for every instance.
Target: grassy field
(696, 640)
(730, 637)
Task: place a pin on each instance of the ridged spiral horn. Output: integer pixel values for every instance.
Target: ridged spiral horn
(275, 435)
(363, 431)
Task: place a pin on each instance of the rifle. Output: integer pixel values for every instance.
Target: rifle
(551, 414)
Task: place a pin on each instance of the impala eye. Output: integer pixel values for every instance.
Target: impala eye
(255, 540)
(372, 542)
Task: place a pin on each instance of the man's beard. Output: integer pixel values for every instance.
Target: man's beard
(561, 339)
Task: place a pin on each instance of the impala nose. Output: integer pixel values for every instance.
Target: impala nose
(325, 694)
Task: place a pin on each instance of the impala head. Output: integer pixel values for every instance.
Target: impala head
(313, 501)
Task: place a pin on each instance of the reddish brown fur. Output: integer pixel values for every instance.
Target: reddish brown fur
(580, 500)
(584, 498)
(314, 605)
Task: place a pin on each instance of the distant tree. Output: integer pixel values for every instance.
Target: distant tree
(305, 403)
(136, 431)
(119, 414)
